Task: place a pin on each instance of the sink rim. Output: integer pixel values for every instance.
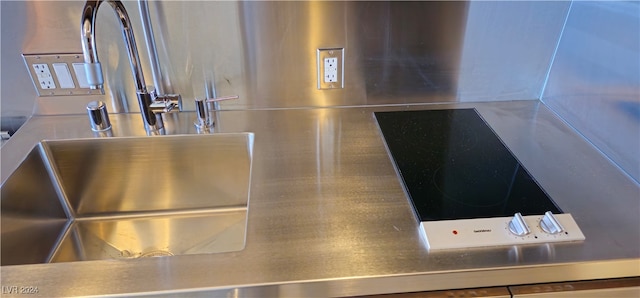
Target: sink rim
(45, 158)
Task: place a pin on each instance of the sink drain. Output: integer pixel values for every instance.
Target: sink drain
(156, 253)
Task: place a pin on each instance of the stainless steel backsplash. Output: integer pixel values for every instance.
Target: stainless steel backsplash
(264, 51)
(594, 83)
(395, 53)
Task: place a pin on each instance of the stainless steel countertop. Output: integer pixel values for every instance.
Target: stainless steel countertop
(328, 215)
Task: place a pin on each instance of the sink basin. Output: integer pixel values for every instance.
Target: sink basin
(92, 199)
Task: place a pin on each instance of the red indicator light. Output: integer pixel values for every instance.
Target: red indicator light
(455, 232)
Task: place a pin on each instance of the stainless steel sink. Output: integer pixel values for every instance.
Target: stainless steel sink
(91, 199)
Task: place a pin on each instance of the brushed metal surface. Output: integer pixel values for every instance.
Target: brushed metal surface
(153, 174)
(32, 217)
(594, 83)
(508, 48)
(397, 52)
(154, 235)
(17, 101)
(127, 197)
(330, 218)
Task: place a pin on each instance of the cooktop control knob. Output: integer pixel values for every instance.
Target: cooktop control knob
(517, 226)
(550, 224)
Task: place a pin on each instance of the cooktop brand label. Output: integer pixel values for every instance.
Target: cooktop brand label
(482, 231)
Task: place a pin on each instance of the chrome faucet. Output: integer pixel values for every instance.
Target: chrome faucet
(151, 105)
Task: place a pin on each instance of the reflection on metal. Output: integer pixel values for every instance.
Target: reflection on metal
(174, 233)
(93, 67)
(149, 38)
(123, 202)
(103, 134)
(203, 121)
(355, 234)
(524, 254)
(594, 83)
(98, 116)
(151, 104)
(508, 47)
(32, 217)
(207, 111)
(395, 52)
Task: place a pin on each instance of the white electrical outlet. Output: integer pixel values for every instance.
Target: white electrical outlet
(330, 70)
(56, 74)
(330, 64)
(45, 79)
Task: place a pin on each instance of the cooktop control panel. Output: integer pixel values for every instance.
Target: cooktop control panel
(518, 229)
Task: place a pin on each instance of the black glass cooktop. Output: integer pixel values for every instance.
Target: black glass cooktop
(455, 167)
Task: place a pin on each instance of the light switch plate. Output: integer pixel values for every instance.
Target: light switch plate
(330, 64)
(65, 85)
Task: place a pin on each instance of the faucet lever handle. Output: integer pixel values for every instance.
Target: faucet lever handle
(162, 106)
(174, 100)
(204, 120)
(165, 103)
(217, 99)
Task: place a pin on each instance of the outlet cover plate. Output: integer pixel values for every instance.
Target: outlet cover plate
(58, 90)
(334, 54)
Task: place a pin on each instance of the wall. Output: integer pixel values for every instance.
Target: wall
(594, 83)
(508, 47)
(264, 51)
(17, 93)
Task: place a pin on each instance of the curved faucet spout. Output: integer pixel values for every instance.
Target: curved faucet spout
(93, 69)
(90, 51)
